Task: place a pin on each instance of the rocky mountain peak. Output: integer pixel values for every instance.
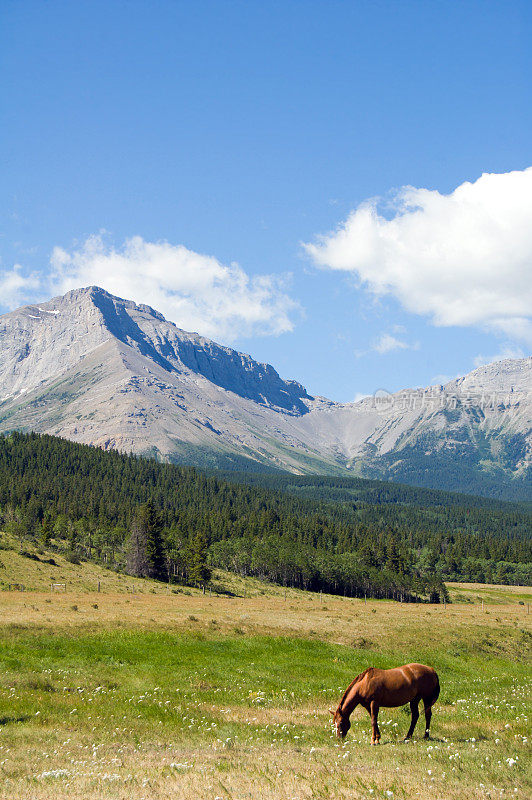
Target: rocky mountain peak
(55, 334)
(106, 302)
(99, 369)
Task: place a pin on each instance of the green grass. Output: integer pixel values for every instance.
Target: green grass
(160, 695)
(233, 710)
(467, 592)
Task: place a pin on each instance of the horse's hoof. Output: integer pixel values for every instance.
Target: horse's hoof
(407, 739)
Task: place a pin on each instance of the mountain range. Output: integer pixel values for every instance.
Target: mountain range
(94, 368)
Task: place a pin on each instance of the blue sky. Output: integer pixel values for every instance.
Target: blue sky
(137, 138)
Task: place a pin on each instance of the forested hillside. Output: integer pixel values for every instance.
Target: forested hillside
(346, 488)
(362, 537)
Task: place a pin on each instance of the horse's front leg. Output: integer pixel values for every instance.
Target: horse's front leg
(375, 732)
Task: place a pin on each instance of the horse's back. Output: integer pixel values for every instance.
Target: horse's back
(425, 677)
(400, 685)
(421, 670)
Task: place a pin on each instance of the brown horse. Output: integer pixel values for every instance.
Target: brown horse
(390, 688)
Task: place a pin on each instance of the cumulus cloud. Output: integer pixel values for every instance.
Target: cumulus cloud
(195, 291)
(463, 259)
(16, 287)
(386, 343)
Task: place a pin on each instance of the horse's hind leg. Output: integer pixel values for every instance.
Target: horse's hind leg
(428, 717)
(428, 702)
(415, 716)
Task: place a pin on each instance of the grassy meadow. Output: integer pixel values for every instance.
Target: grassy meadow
(155, 694)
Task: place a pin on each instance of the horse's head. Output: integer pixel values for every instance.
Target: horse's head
(341, 723)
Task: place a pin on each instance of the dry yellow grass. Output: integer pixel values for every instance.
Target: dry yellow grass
(84, 577)
(346, 621)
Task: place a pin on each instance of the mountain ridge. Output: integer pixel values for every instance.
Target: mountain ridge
(106, 371)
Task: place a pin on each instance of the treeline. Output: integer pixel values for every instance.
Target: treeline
(54, 491)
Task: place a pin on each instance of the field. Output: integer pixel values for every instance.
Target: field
(160, 695)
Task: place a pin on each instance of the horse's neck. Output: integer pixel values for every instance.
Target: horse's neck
(350, 700)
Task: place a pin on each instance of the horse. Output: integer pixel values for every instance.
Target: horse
(390, 688)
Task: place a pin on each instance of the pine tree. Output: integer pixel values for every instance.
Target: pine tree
(46, 530)
(146, 552)
(197, 568)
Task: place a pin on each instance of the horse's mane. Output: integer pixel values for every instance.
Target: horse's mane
(357, 679)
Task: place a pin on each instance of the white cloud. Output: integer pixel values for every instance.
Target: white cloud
(15, 287)
(386, 343)
(509, 351)
(464, 258)
(195, 291)
(442, 378)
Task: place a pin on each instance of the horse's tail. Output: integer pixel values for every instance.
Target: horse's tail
(431, 699)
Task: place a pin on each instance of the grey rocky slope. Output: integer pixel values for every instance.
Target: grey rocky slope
(94, 368)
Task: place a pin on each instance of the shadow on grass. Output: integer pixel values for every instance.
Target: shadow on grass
(10, 720)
